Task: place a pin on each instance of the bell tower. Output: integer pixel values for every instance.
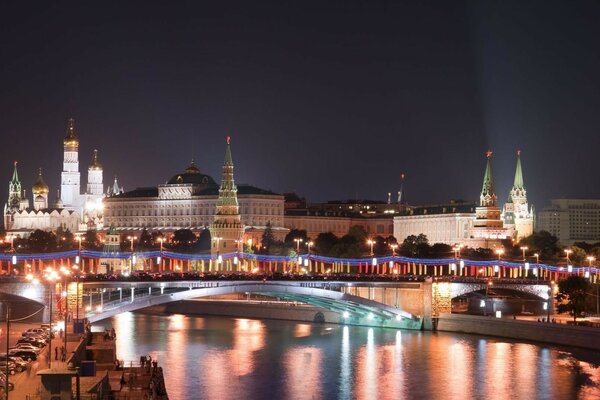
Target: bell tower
(70, 177)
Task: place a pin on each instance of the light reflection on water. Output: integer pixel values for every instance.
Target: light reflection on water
(226, 358)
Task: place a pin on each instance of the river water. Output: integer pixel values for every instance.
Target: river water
(235, 358)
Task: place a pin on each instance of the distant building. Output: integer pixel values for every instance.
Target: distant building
(338, 223)
(571, 220)
(71, 210)
(189, 200)
(470, 224)
(444, 223)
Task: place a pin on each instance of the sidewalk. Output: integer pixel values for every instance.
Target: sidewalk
(27, 383)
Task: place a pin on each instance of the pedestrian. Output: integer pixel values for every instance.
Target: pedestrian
(56, 353)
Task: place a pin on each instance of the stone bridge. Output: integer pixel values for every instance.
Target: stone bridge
(398, 304)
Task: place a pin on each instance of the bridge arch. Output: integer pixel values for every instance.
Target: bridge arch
(537, 290)
(352, 309)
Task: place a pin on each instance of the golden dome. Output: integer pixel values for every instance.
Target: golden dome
(40, 187)
(95, 165)
(71, 140)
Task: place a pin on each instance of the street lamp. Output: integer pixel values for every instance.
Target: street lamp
(131, 240)
(524, 249)
(590, 260)
(76, 269)
(537, 264)
(394, 246)
(161, 240)
(371, 243)
(298, 241)
(309, 245)
(487, 285)
(567, 252)
(499, 252)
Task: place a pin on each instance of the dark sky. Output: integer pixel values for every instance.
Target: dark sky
(329, 99)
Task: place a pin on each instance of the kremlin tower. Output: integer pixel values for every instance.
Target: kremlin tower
(487, 227)
(517, 214)
(227, 229)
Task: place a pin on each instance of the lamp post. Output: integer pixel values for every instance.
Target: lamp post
(487, 285)
(524, 249)
(590, 260)
(394, 246)
(298, 241)
(371, 243)
(499, 252)
(161, 240)
(567, 252)
(76, 269)
(65, 293)
(537, 264)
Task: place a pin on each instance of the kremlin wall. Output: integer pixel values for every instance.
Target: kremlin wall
(237, 214)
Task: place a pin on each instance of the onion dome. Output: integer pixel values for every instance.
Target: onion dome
(71, 141)
(40, 187)
(95, 165)
(58, 203)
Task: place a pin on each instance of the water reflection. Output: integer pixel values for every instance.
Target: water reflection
(223, 358)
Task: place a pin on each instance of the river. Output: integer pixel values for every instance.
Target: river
(235, 358)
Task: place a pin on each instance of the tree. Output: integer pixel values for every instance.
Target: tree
(572, 292)
(415, 246)
(325, 242)
(347, 246)
(268, 239)
(91, 241)
(358, 232)
(203, 243)
(578, 255)
(145, 240)
(41, 241)
(296, 234)
(184, 240)
(65, 239)
(441, 250)
(543, 243)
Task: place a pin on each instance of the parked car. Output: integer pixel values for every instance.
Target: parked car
(11, 386)
(25, 354)
(32, 341)
(20, 364)
(12, 368)
(28, 346)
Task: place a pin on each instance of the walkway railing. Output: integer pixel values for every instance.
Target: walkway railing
(239, 261)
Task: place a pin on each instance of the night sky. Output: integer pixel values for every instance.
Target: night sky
(333, 100)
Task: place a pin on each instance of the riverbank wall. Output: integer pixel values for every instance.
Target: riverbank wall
(543, 332)
(249, 309)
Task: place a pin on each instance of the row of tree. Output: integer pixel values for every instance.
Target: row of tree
(355, 244)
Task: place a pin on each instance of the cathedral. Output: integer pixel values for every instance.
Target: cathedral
(72, 209)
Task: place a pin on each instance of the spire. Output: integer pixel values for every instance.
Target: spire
(71, 141)
(488, 192)
(95, 165)
(15, 177)
(228, 158)
(115, 189)
(518, 184)
(14, 191)
(401, 191)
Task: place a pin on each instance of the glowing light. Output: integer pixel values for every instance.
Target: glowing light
(346, 314)
(370, 316)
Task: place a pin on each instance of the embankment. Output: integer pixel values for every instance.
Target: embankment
(557, 334)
